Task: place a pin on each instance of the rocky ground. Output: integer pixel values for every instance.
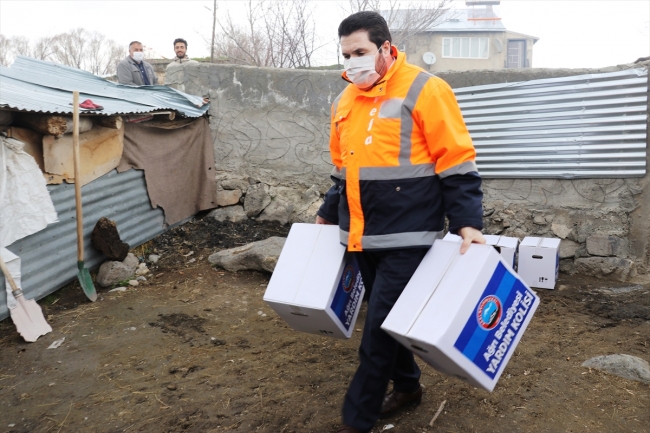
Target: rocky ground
(195, 349)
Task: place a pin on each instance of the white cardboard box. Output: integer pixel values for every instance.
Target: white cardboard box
(506, 246)
(316, 286)
(463, 314)
(539, 261)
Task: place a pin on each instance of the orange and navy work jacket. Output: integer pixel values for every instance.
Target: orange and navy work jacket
(403, 160)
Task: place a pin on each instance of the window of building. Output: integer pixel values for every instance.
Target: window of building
(465, 48)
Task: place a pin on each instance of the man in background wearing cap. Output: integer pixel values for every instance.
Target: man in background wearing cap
(134, 70)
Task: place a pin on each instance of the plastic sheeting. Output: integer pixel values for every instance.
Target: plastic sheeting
(25, 203)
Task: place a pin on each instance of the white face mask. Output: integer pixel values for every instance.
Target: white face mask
(138, 56)
(361, 70)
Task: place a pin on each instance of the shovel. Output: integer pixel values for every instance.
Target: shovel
(84, 276)
(27, 315)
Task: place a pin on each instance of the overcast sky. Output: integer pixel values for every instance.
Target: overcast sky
(572, 33)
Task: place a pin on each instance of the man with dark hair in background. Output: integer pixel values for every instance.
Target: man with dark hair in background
(180, 49)
(134, 70)
(403, 161)
(182, 59)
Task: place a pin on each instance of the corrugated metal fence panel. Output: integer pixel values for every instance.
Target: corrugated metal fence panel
(49, 257)
(585, 126)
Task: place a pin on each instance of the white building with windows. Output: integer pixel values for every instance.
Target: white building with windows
(463, 39)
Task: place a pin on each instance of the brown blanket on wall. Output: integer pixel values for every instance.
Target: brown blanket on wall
(178, 164)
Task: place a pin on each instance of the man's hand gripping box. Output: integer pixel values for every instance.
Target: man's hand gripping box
(506, 246)
(463, 314)
(316, 286)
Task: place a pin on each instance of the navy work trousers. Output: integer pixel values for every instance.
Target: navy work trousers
(382, 358)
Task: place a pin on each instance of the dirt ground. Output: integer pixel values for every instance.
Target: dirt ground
(195, 349)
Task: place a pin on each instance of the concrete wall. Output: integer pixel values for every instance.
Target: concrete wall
(271, 127)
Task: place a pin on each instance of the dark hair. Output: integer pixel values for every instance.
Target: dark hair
(369, 21)
(134, 42)
(177, 40)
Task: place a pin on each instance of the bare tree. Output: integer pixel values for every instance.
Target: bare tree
(20, 46)
(115, 53)
(406, 20)
(364, 5)
(415, 18)
(70, 48)
(78, 48)
(95, 58)
(244, 44)
(277, 33)
(44, 48)
(5, 51)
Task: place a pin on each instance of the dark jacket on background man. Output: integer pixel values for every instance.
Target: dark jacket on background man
(128, 72)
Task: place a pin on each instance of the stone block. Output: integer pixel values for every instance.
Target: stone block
(257, 199)
(626, 366)
(131, 261)
(567, 266)
(539, 220)
(568, 248)
(291, 205)
(279, 210)
(234, 183)
(309, 215)
(227, 197)
(605, 245)
(231, 213)
(606, 267)
(257, 256)
(561, 230)
(112, 272)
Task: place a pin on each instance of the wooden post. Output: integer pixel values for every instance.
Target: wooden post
(77, 171)
(214, 24)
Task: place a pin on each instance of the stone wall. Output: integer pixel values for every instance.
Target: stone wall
(271, 127)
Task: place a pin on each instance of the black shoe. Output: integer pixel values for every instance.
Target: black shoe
(347, 429)
(395, 401)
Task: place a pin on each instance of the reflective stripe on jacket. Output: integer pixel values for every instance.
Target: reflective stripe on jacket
(404, 159)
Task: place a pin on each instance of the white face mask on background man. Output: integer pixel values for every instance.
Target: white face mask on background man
(361, 70)
(138, 56)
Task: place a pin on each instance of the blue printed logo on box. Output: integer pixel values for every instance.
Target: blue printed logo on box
(348, 293)
(496, 321)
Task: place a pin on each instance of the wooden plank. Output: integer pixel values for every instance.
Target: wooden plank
(100, 151)
(114, 122)
(55, 125)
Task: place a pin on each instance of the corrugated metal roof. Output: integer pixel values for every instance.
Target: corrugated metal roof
(453, 20)
(49, 257)
(584, 126)
(40, 86)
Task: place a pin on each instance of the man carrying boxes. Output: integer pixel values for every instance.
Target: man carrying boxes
(403, 160)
